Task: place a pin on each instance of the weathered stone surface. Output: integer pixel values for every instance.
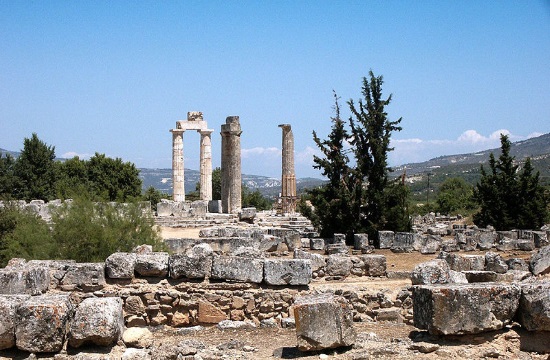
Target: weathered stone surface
(375, 265)
(403, 242)
(455, 261)
(235, 268)
(534, 306)
(137, 337)
(209, 314)
(517, 264)
(84, 276)
(97, 321)
(41, 323)
(432, 245)
(27, 280)
(336, 249)
(474, 276)
(317, 261)
(317, 244)
(540, 238)
(120, 265)
(187, 267)
(360, 241)
(323, 322)
(135, 354)
(456, 277)
(8, 309)
(540, 261)
(247, 214)
(487, 239)
(287, 272)
(153, 265)
(431, 272)
(495, 262)
(338, 265)
(464, 309)
(514, 276)
(385, 239)
(477, 262)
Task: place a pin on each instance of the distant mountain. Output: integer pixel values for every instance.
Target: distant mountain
(161, 179)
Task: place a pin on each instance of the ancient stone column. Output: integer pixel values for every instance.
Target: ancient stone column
(288, 181)
(177, 165)
(231, 165)
(206, 165)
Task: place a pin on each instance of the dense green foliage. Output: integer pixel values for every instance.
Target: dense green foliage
(455, 196)
(359, 198)
(508, 198)
(36, 175)
(217, 184)
(81, 230)
(254, 199)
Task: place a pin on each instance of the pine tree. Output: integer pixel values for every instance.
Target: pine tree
(508, 199)
(370, 136)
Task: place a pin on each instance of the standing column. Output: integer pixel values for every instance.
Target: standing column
(231, 165)
(177, 165)
(206, 165)
(288, 181)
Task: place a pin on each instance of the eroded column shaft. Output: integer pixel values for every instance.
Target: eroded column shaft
(231, 165)
(206, 165)
(288, 181)
(178, 166)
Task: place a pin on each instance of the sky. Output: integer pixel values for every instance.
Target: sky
(113, 77)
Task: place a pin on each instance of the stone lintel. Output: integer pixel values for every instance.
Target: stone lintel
(198, 125)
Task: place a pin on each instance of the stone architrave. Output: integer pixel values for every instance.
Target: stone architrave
(194, 122)
(288, 181)
(231, 165)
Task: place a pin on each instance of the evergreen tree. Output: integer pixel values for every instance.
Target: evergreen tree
(509, 200)
(7, 176)
(112, 179)
(370, 136)
(35, 171)
(454, 195)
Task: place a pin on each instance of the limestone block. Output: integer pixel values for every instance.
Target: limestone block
(247, 214)
(517, 264)
(143, 249)
(153, 265)
(234, 268)
(198, 208)
(8, 309)
(457, 277)
(476, 262)
(534, 306)
(456, 262)
(28, 280)
(190, 267)
(292, 239)
(317, 243)
(487, 239)
(135, 354)
(418, 241)
(287, 271)
(209, 314)
(464, 308)
(514, 276)
(97, 321)
(165, 208)
(360, 241)
(317, 261)
(385, 239)
(323, 321)
(375, 265)
(120, 265)
(539, 264)
(338, 265)
(495, 262)
(139, 337)
(58, 269)
(540, 238)
(269, 243)
(403, 241)
(84, 276)
(502, 235)
(42, 323)
(431, 272)
(339, 239)
(475, 276)
(432, 245)
(334, 249)
(215, 206)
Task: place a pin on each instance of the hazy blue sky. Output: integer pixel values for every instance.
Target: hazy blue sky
(114, 76)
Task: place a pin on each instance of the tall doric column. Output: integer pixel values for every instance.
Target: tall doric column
(231, 165)
(206, 165)
(288, 181)
(177, 165)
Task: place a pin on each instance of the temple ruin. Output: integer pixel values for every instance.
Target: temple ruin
(194, 122)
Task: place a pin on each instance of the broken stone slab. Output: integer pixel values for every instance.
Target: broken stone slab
(209, 314)
(455, 261)
(513, 276)
(42, 323)
(8, 310)
(317, 244)
(457, 277)
(338, 265)
(476, 262)
(234, 268)
(247, 214)
(460, 309)
(432, 245)
(58, 269)
(27, 280)
(539, 264)
(84, 276)
(385, 239)
(435, 271)
(534, 306)
(269, 243)
(525, 245)
(540, 238)
(120, 265)
(360, 241)
(487, 239)
(323, 321)
(317, 261)
(97, 321)
(287, 272)
(375, 265)
(152, 265)
(190, 267)
(517, 264)
(334, 249)
(495, 262)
